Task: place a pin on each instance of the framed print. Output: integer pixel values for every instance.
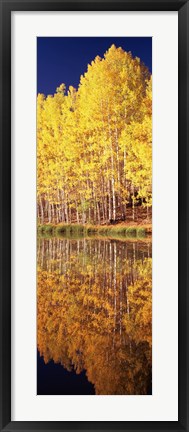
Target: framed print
(94, 215)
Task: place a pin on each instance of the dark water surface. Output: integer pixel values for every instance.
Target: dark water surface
(94, 316)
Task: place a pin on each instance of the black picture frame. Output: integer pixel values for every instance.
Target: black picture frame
(6, 7)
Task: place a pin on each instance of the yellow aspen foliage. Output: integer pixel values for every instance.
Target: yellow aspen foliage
(94, 144)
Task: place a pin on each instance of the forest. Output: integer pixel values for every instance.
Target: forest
(94, 145)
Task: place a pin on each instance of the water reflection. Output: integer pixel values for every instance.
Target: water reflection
(94, 311)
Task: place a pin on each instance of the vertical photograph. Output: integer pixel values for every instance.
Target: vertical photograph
(94, 215)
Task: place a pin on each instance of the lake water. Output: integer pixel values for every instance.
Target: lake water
(94, 325)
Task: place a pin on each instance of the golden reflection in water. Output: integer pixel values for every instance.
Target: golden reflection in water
(95, 311)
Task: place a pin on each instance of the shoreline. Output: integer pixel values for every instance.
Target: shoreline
(121, 230)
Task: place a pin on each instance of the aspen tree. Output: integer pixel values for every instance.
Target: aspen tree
(94, 144)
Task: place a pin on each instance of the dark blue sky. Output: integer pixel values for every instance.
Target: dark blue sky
(65, 59)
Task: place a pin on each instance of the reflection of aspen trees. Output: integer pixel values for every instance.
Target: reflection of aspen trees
(114, 283)
(111, 329)
(120, 307)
